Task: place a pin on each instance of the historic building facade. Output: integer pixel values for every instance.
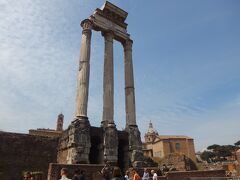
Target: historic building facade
(160, 146)
(50, 132)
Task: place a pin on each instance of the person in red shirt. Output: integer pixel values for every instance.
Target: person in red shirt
(135, 175)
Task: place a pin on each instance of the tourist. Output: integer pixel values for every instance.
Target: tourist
(117, 174)
(82, 175)
(64, 173)
(106, 171)
(155, 177)
(126, 177)
(145, 174)
(28, 176)
(79, 175)
(76, 174)
(135, 175)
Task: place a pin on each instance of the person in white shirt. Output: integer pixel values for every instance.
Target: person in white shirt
(145, 174)
(154, 175)
(126, 175)
(64, 173)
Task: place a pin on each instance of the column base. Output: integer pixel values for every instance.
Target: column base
(79, 141)
(111, 144)
(135, 146)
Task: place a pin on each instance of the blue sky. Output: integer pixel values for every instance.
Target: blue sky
(186, 65)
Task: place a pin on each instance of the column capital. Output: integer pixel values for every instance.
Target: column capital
(108, 35)
(86, 24)
(127, 45)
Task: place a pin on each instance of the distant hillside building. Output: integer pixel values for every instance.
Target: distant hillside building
(50, 132)
(158, 146)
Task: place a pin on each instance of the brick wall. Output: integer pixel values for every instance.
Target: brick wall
(24, 152)
(185, 175)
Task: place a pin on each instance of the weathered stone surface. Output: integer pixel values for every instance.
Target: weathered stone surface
(129, 84)
(79, 141)
(84, 70)
(24, 152)
(110, 20)
(111, 144)
(111, 17)
(54, 133)
(179, 161)
(108, 81)
(60, 120)
(186, 175)
(135, 146)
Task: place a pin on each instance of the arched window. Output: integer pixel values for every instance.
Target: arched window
(177, 146)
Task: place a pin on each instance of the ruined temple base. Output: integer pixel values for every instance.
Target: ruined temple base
(92, 171)
(96, 150)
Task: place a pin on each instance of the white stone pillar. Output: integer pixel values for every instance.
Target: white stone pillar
(84, 70)
(108, 81)
(129, 84)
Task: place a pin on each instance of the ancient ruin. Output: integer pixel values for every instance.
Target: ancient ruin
(50, 132)
(81, 142)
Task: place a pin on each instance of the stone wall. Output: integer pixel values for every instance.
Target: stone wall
(24, 152)
(186, 147)
(45, 132)
(185, 175)
(96, 154)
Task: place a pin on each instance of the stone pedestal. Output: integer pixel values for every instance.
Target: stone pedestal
(111, 144)
(135, 146)
(79, 141)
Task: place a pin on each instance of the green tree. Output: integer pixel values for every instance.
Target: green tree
(207, 155)
(237, 143)
(219, 152)
(213, 147)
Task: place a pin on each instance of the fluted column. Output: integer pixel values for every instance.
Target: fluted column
(108, 81)
(84, 70)
(79, 140)
(129, 84)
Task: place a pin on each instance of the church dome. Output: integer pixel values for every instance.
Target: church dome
(151, 130)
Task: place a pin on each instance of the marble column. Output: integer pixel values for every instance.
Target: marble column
(129, 84)
(110, 140)
(108, 81)
(84, 70)
(79, 140)
(135, 143)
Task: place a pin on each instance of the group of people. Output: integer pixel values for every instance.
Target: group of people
(78, 174)
(146, 175)
(130, 174)
(133, 175)
(108, 173)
